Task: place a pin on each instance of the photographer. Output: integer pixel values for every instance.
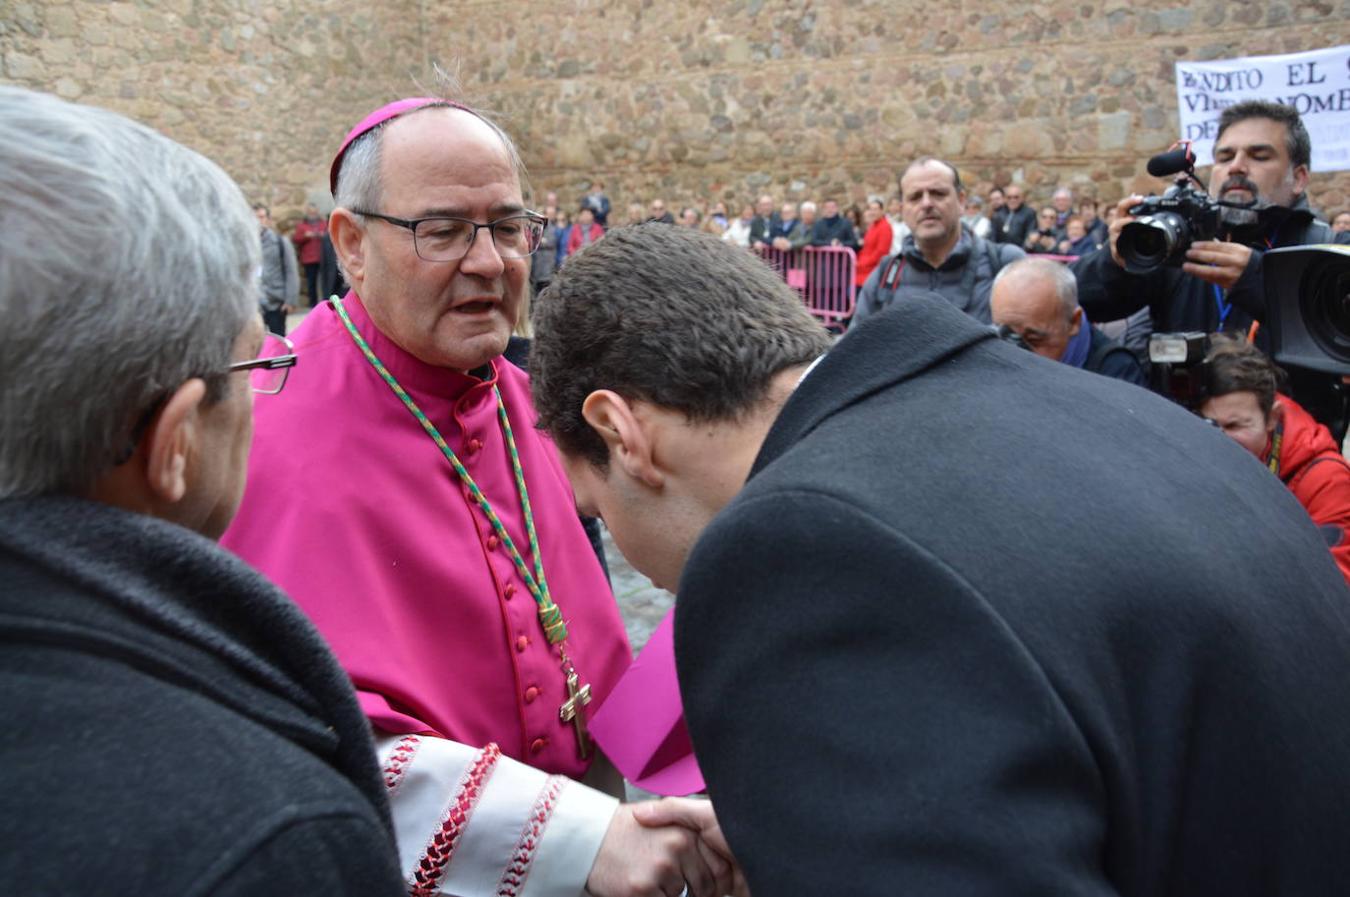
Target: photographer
(1239, 395)
(1261, 158)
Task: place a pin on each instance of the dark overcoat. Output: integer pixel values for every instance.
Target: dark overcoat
(981, 623)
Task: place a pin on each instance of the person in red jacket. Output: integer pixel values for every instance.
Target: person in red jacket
(877, 244)
(585, 231)
(308, 239)
(1239, 394)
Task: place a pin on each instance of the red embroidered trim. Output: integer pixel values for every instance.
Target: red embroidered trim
(427, 875)
(399, 761)
(518, 869)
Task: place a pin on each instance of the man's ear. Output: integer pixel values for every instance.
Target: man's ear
(1076, 321)
(348, 238)
(1276, 415)
(1300, 179)
(172, 439)
(626, 434)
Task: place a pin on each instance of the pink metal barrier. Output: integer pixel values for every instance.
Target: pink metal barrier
(823, 276)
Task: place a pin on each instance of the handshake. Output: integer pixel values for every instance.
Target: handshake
(665, 848)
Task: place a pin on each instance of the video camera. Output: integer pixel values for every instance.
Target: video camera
(1164, 227)
(1308, 307)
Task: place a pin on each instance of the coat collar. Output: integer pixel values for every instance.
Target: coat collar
(959, 255)
(883, 350)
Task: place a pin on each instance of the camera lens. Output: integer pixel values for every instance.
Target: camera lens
(1324, 303)
(1148, 242)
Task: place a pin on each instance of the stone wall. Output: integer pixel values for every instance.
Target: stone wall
(266, 88)
(687, 101)
(728, 98)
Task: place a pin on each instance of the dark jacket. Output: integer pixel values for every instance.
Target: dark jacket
(979, 623)
(1110, 358)
(763, 230)
(1015, 227)
(545, 259)
(1099, 232)
(827, 230)
(330, 275)
(599, 205)
(173, 723)
(965, 278)
(796, 232)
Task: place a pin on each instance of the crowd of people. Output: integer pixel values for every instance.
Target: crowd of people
(1066, 226)
(317, 614)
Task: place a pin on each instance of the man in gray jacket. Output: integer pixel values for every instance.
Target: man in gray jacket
(939, 256)
(279, 278)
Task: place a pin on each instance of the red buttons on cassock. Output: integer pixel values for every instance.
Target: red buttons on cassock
(473, 446)
(530, 694)
(493, 542)
(510, 591)
(538, 745)
(522, 643)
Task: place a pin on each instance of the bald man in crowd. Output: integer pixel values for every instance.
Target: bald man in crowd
(1038, 300)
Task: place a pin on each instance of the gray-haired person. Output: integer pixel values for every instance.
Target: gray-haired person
(1037, 299)
(173, 723)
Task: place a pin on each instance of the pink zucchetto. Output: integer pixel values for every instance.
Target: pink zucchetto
(379, 117)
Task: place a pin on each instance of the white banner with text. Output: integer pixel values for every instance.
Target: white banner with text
(1316, 83)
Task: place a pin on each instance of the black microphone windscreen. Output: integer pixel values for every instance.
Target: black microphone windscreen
(1172, 162)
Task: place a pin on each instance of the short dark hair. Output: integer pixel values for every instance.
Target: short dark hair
(924, 160)
(671, 316)
(1235, 365)
(1296, 135)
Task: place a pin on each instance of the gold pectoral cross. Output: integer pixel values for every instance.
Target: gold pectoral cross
(570, 712)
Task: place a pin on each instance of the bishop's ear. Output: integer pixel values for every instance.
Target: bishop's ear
(626, 432)
(348, 238)
(172, 440)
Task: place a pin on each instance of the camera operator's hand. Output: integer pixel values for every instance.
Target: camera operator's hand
(1123, 218)
(1218, 263)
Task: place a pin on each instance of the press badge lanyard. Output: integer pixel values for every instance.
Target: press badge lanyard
(1226, 307)
(1276, 442)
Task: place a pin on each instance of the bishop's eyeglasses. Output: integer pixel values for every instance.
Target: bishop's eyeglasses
(445, 239)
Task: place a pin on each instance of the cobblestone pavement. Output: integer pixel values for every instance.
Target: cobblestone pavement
(642, 604)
